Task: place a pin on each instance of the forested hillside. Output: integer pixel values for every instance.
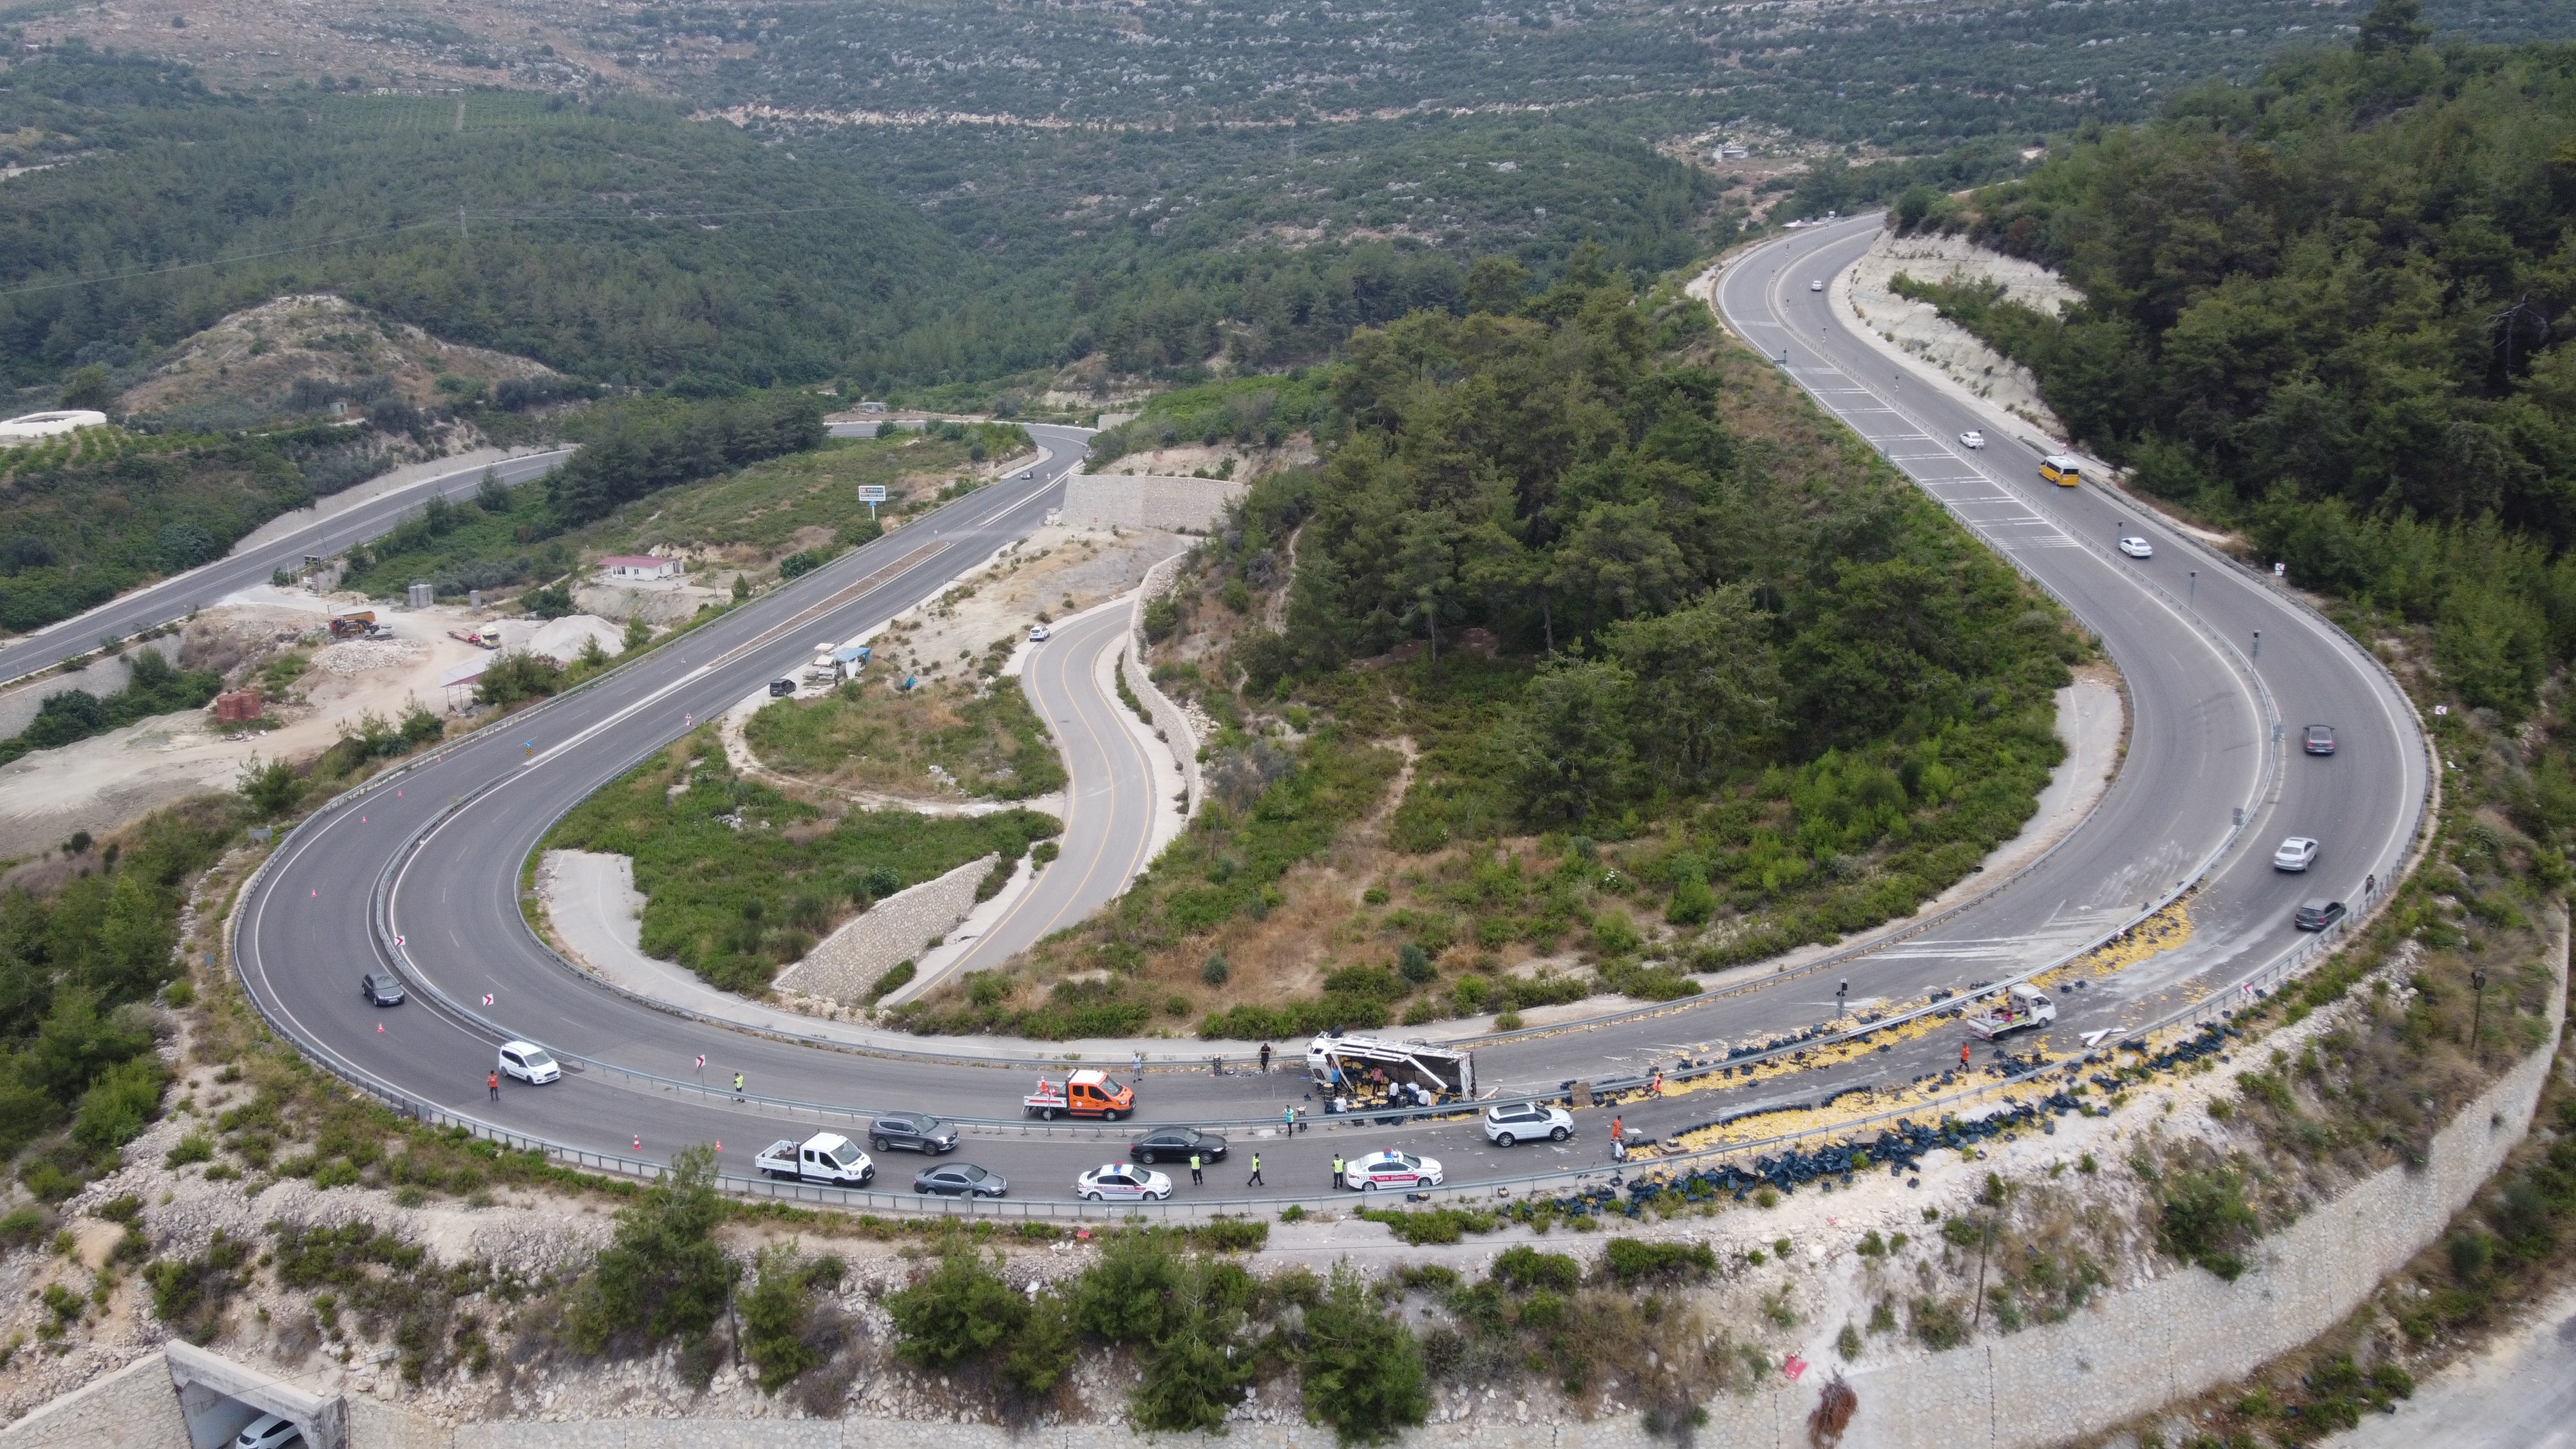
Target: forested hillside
(2332, 307)
(1685, 676)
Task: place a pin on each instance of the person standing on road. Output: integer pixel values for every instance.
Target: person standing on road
(1337, 1170)
(495, 1082)
(1963, 1056)
(1615, 1133)
(1289, 1117)
(1255, 1179)
(1659, 1082)
(1265, 1059)
(1135, 1064)
(737, 1086)
(1195, 1179)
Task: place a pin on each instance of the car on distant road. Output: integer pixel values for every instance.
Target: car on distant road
(1040, 633)
(2316, 915)
(1172, 1144)
(381, 988)
(913, 1133)
(529, 1062)
(1392, 1169)
(2319, 740)
(2136, 547)
(1118, 1182)
(2296, 853)
(1815, 286)
(1512, 1122)
(960, 1179)
(781, 688)
(1972, 438)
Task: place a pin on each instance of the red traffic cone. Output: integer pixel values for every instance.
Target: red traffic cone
(639, 1141)
(380, 1028)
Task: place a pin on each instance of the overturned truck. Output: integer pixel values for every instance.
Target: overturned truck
(1337, 1063)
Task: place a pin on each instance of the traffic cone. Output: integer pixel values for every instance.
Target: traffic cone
(639, 1141)
(380, 1028)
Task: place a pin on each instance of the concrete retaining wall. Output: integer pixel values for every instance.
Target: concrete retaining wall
(1195, 504)
(1174, 725)
(844, 964)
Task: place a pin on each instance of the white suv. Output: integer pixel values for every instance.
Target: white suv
(528, 1062)
(1505, 1125)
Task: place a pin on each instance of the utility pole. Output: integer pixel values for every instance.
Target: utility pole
(2477, 1014)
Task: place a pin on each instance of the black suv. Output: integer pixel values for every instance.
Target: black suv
(2316, 915)
(381, 988)
(1175, 1144)
(912, 1134)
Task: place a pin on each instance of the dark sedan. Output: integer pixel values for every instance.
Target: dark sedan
(2319, 740)
(1175, 1144)
(960, 1179)
(912, 1133)
(381, 988)
(2316, 915)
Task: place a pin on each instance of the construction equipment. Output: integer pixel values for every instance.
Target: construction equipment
(2024, 1005)
(352, 626)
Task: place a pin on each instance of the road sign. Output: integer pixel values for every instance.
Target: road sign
(872, 493)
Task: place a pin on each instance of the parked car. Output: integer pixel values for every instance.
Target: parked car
(1972, 438)
(960, 1179)
(1816, 286)
(529, 1062)
(1040, 633)
(781, 688)
(1176, 1144)
(381, 988)
(913, 1133)
(1392, 1169)
(2319, 740)
(2316, 915)
(2296, 853)
(2137, 548)
(269, 1431)
(1116, 1181)
(1510, 1123)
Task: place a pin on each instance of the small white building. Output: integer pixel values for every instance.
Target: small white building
(31, 426)
(630, 568)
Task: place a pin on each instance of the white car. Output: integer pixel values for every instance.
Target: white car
(2295, 853)
(2137, 548)
(1117, 1181)
(1040, 633)
(528, 1062)
(1392, 1169)
(1815, 286)
(1972, 438)
(268, 1431)
(1510, 1123)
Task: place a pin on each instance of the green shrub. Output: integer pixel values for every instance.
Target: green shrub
(775, 1315)
(1044, 1346)
(195, 1147)
(663, 1277)
(1629, 1261)
(1196, 1371)
(190, 1294)
(959, 1311)
(2203, 1218)
(1125, 1297)
(115, 1110)
(1362, 1368)
(1524, 1267)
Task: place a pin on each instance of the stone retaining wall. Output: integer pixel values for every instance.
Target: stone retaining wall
(134, 1405)
(1138, 501)
(844, 964)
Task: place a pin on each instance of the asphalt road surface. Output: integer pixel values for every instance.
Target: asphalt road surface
(2203, 745)
(176, 597)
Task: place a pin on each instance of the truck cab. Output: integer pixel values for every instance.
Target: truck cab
(825, 1157)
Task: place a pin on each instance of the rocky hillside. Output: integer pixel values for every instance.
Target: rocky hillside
(318, 354)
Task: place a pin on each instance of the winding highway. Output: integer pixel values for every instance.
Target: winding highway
(422, 871)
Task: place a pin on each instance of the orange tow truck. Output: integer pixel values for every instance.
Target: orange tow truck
(1088, 1093)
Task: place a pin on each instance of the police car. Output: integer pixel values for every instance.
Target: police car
(1392, 1169)
(1114, 1181)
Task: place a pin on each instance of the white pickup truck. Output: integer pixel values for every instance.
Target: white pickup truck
(824, 1157)
(2024, 1005)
